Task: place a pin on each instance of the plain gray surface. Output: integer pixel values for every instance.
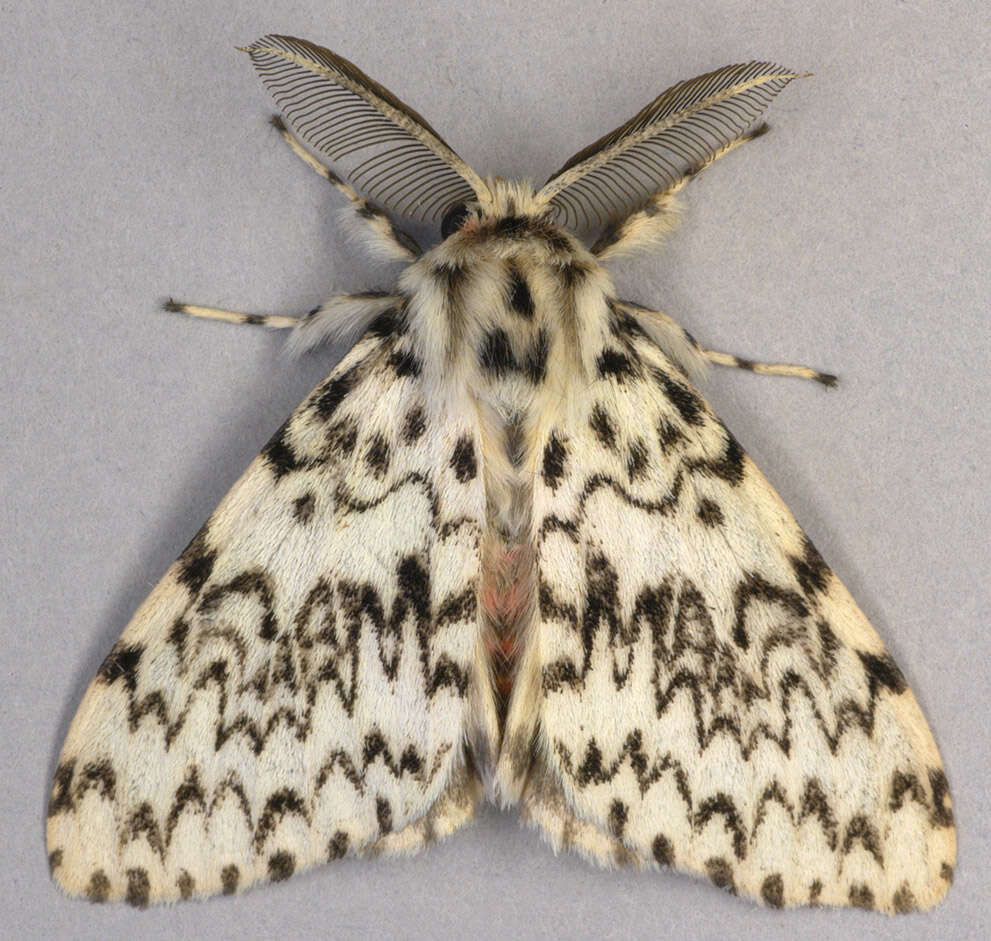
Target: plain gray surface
(137, 163)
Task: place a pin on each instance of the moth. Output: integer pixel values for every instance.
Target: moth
(506, 551)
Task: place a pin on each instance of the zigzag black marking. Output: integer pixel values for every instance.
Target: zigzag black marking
(709, 664)
(592, 770)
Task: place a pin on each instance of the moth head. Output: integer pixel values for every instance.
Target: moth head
(505, 202)
(394, 156)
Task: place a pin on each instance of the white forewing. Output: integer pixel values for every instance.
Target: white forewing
(711, 698)
(300, 684)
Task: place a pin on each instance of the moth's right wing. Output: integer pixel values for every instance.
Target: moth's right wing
(700, 690)
(303, 681)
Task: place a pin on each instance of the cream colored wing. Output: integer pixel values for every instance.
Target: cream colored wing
(700, 691)
(302, 682)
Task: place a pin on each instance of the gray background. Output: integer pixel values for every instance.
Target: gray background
(137, 163)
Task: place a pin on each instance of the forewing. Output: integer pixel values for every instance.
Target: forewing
(710, 696)
(343, 113)
(300, 683)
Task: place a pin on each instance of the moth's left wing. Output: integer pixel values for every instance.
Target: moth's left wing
(302, 683)
(700, 691)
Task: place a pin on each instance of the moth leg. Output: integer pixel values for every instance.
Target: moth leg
(387, 237)
(678, 343)
(344, 317)
(770, 369)
(647, 225)
(230, 316)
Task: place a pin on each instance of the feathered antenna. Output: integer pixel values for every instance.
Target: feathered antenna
(339, 111)
(677, 132)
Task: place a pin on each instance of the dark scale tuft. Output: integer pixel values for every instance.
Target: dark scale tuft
(405, 364)
(555, 455)
(495, 355)
(535, 362)
(520, 298)
(463, 460)
(386, 324)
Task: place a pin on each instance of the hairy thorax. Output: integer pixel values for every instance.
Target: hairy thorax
(493, 310)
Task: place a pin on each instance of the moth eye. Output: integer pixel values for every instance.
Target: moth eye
(454, 218)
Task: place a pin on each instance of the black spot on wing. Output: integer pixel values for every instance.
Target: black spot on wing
(415, 424)
(121, 664)
(709, 512)
(662, 850)
(333, 393)
(342, 437)
(615, 364)
(377, 456)
(772, 891)
(688, 404)
(280, 455)
(637, 460)
(229, 878)
(186, 885)
(882, 671)
(281, 865)
(618, 813)
(729, 466)
(810, 569)
(302, 508)
(196, 562)
(720, 872)
(669, 436)
(942, 811)
(603, 427)
(338, 845)
(138, 887)
(555, 455)
(463, 459)
(383, 811)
